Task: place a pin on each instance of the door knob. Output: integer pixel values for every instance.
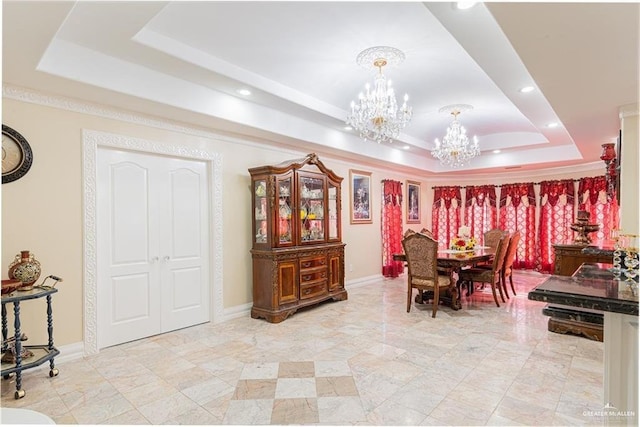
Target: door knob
(166, 258)
(154, 259)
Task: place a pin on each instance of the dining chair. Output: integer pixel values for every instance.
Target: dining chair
(427, 232)
(421, 252)
(492, 237)
(510, 257)
(408, 233)
(491, 275)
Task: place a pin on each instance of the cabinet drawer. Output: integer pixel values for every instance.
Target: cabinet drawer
(312, 275)
(313, 290)
(313, 262)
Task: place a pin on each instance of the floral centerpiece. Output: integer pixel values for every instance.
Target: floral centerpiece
(463, 241)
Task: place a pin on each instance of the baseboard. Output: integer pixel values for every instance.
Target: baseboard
(362, 281)
(243, 310)
(236, 311)
(68, 353)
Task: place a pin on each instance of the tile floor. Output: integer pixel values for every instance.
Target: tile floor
(364, 361)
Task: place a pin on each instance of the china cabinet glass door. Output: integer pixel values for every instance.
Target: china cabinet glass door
(334, 233)
(260, 214)
(311, 209)
(285, 231)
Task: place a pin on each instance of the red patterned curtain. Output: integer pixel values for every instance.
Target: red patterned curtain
(592, 197)
(556, 217)
(480, 213)
(518, 213)
(391, 227)
(445, 214)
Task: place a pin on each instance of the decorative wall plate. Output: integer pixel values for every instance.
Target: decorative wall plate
(17, 156)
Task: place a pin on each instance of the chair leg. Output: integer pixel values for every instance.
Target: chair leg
(409, 293)
(436, 300)
(511, 281)
(503, 282)
(499, 286)
(493, 289)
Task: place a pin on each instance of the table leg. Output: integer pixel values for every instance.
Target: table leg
(18, 346)
(5, 329)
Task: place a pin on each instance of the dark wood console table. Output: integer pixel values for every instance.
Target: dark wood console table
(570, 257)
(570, 320)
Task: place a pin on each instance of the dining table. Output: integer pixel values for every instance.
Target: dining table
(454, 261)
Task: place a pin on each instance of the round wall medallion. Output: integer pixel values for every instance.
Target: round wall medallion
(17, 156)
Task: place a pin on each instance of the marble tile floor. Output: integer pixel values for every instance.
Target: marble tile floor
(364, 361)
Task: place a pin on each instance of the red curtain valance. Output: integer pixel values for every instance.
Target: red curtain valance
(447, 194)
(516, 192)
(481, 193)
(556, 188)
(594, 185)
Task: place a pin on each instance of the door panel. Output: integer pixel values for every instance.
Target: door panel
(186, 290)
(186, 213)
(132, 294)
(185, 286)
(129, 199)
(127, 307)
(287, 279)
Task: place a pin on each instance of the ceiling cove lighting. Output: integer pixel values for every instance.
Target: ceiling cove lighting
(376, 115)
(456, 149)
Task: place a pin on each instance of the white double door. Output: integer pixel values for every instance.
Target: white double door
(153, 245)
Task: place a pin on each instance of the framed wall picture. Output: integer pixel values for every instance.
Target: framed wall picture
(413, 202)
(360, 197)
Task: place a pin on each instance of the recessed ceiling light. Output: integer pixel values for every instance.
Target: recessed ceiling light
(496, 151)
(462, 5)
(406, 147)
(244, 92)
(526, 89)
(348, 128)
(552, 125)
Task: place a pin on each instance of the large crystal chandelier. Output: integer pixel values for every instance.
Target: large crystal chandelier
(456, 150)
(376, 115)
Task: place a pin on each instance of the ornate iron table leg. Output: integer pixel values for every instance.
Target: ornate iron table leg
(52, 369)
(18, 346)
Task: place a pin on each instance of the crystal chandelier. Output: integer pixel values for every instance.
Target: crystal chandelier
(456, 150)
(376, 115)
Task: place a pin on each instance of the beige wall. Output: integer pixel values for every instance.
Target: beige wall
(43, 212)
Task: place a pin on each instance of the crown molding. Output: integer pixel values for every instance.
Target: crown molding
(523, 175)
(84, 107)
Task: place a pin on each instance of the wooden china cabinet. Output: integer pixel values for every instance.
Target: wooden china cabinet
(298, 255)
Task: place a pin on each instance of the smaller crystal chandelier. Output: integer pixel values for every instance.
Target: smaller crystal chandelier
(376, 115)
(456, 150)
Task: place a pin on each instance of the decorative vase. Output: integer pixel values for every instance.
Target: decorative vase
(26, 269)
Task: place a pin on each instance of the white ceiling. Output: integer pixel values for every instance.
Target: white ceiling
(185, 60)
